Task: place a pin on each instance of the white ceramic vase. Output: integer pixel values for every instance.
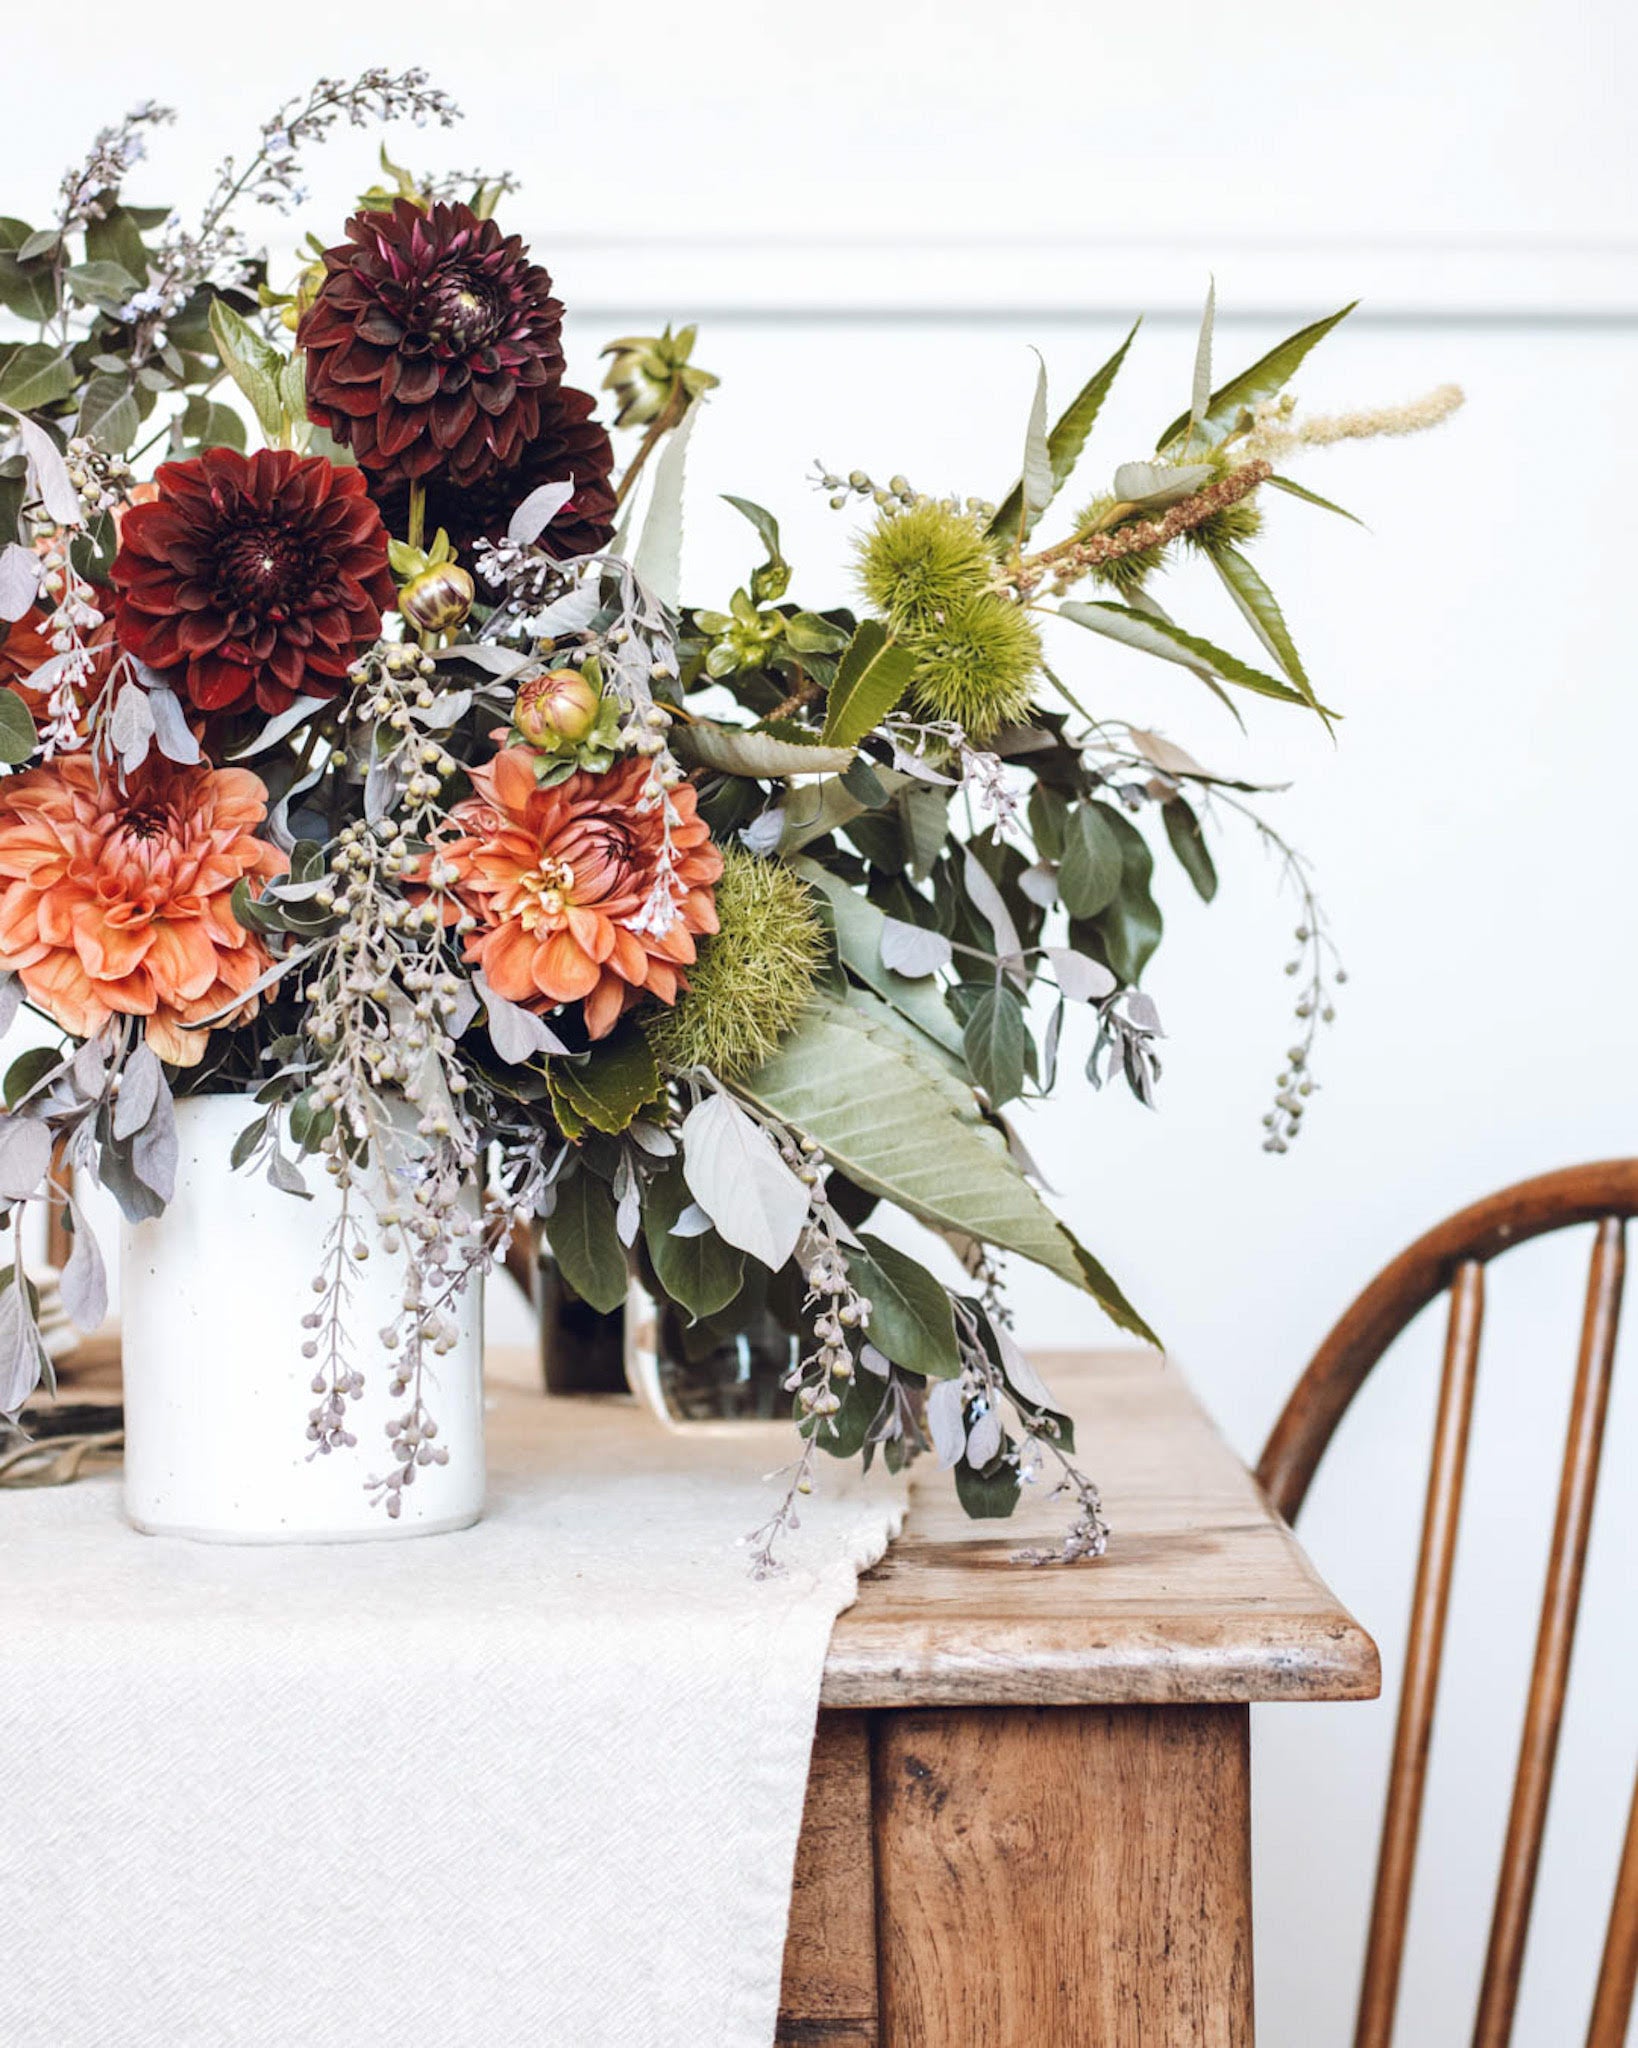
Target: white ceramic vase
(217, 1393)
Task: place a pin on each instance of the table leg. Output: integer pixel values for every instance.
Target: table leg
(829, 1994)
(1064, 1877)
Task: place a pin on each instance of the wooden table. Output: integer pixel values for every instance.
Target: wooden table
(1028, 1821)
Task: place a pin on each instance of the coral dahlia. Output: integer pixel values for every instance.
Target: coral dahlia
(120, 902)
(580, 892)
(432, 344)
(258, 578)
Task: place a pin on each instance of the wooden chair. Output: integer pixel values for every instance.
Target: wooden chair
(1452, 1257)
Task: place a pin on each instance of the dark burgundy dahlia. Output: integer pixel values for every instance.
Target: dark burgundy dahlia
(571, 444)
(432, 344)
(256, 579)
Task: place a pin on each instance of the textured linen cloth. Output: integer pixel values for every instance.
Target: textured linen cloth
(538, 1782)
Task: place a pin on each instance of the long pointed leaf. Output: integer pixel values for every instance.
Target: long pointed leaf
(1171, 643)
(1284, 483)
(871, 677)
(896, 1123)
(1261, 613)
(1065, 442)
(1266, 376)
(657, 562)
(1202, 358)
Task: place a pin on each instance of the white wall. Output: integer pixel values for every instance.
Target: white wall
(878, 210)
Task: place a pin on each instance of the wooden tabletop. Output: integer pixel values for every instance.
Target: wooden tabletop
(1204, 1596)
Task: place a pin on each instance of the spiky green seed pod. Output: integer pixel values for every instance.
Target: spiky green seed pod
(978, 666)
(754, 975)
(918, 564)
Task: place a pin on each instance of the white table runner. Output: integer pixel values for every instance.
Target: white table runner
(539, 1782)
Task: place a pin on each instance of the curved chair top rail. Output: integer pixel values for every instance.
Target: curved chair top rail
(1404, 1287)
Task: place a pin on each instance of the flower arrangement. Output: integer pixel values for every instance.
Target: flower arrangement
(385, 764)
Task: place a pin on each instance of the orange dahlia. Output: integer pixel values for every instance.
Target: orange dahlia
(580, 891)
(120, 902)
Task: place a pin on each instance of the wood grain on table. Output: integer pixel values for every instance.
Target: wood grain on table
(1028, 1821)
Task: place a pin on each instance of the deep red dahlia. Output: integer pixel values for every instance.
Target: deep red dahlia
(257, 578)
(432, 344)
(571, 444)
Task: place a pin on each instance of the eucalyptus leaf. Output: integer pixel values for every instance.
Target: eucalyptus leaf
(860, 927)
(912, 950)
(20, 569)
(537, 512)
(17, 734)
(911, 1320)
(696, 1268)
(657, 562)
(996, 1041)
(83, 1282)
(516, 1034)
(946, 1422)
(585, 1241)
(25, 1156)
(1079, 979)
(734, 1171)
(1089, 872)
(1188, 842)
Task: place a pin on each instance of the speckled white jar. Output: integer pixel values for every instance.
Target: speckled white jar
(217, 1393)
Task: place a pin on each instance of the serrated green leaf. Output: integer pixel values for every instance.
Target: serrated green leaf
(995, 1042)
(1188, 842)
(33, 375)
(1201, 397)
(911, 1321)
(1261, 613)
(1268, 375)
(701, 1274)
(1065, 442)
(585, 1243)
(1089, 874)
(1159, 636)
(871, 677)
(899, 1125)
(1284, 483)
(744, 750)
(17, 734)
(617, 1079)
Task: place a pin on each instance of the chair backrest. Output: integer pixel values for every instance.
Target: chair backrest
(1452, 1258)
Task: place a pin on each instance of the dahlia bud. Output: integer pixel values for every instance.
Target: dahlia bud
(438, 599)
(557, 709)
